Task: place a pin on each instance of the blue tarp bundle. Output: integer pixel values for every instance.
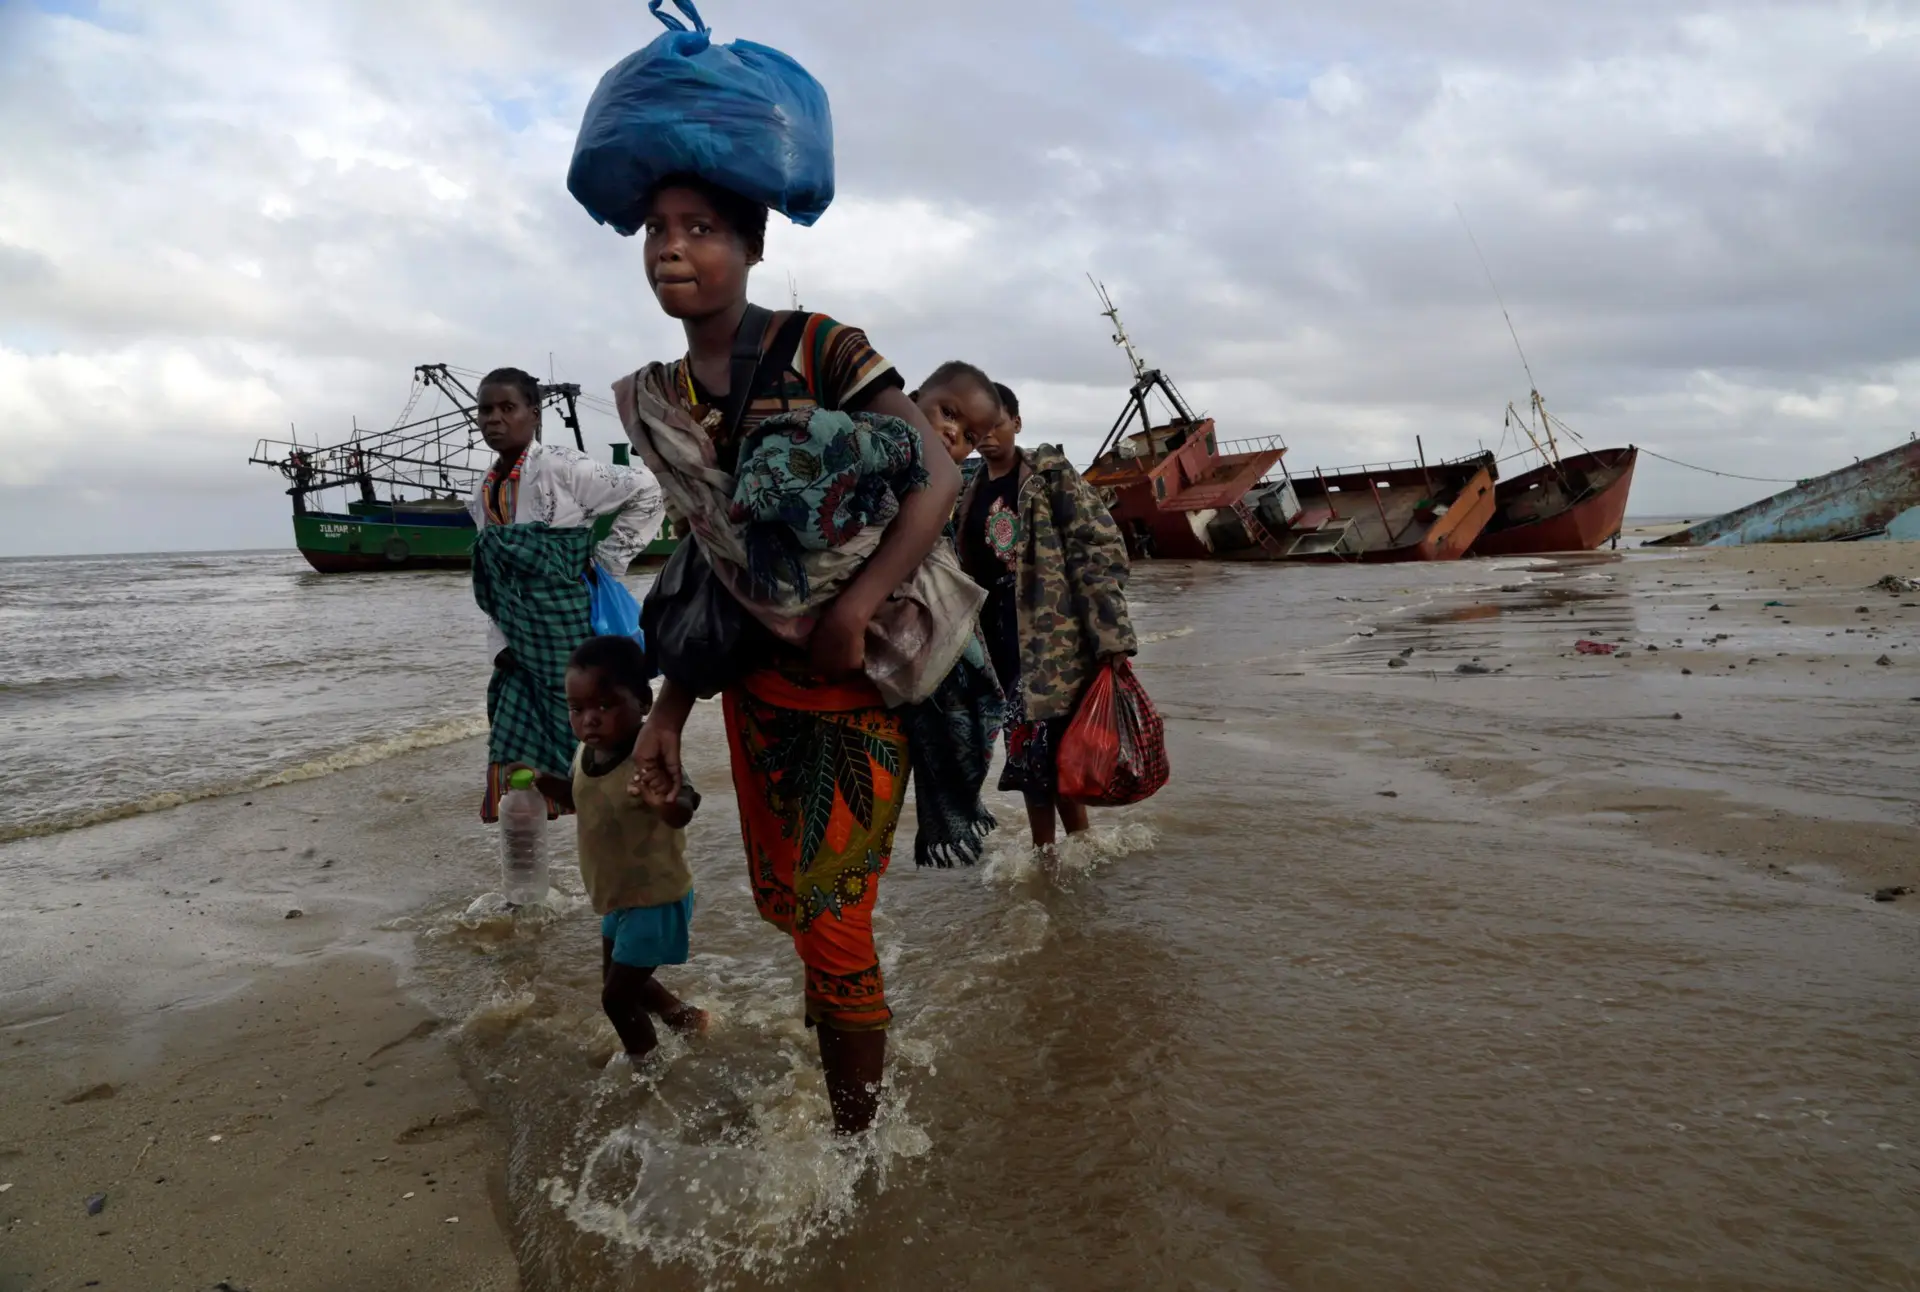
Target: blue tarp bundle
(743, 116)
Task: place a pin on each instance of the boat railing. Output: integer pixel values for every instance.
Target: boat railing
(1280, 472)
(441, 454)
(1259, 444)
(1368, 468)
(337, 466)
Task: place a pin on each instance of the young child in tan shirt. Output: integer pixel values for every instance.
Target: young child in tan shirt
(633, 847)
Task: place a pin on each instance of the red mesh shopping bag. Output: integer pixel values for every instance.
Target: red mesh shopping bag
(1115, 749)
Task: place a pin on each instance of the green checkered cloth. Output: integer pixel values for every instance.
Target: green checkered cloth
(528, 580)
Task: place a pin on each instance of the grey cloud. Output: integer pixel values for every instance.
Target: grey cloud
(1297, 264)
(21, 269)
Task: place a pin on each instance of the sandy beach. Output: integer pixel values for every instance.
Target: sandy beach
(262, 1102)
(1443, 799)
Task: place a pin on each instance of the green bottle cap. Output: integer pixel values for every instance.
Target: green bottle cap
(520, 780)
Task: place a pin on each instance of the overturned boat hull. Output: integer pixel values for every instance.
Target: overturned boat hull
(1875, 498)
(1575, 505)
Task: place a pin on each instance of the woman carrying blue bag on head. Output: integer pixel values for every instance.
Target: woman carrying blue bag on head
(543, 582)
(743, 117)
(815, 582)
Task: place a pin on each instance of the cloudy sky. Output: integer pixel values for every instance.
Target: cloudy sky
(219, 217)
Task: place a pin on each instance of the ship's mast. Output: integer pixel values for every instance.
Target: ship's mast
(1120, 338)
(1536, 406)
(1546, 424)
(1145, 380)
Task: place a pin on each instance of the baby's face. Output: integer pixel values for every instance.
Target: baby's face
(606, 715)
(961, 414)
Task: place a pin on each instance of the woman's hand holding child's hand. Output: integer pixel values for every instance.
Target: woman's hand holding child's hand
(656, 763)
(653, 790)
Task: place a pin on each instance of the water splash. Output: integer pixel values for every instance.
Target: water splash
(1011, 864)
(746, 1191)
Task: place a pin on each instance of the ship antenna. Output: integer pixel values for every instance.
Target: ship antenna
(1120, 338)
(1539, 405)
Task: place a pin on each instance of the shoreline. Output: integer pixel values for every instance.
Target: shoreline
(325, 1050)
(191, 1005)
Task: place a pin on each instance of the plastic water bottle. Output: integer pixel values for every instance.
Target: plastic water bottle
(523, 841)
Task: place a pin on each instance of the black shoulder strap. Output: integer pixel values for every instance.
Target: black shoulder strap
(752, 368)
(742, 369)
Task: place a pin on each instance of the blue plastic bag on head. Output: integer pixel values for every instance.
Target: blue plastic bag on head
(742, 116)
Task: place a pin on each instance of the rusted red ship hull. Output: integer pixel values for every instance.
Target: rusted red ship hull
(1153, 534)
(1560, 520)
(1156, 502)
(1467, 488)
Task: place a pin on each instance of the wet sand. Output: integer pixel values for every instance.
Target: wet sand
(260, 1099)
(1413, 978)
(1788, 657)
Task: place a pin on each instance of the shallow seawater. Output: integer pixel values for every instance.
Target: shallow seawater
(134, 683)
(1269, 1029)
(1398, 984)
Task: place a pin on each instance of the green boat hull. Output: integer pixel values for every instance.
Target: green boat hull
(349, 544)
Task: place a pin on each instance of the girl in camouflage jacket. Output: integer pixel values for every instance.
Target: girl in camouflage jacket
(1037, 537)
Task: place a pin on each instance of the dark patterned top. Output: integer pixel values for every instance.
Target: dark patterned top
(990, 551)
(833, 366)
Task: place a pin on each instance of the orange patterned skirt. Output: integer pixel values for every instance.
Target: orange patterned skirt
(820, 770)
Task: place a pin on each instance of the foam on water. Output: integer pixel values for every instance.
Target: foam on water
(361, 754)
(737, 1182)
(716, 1152)
(716, 1156)
(1013, 862)
(497, 1015)
(365, 752)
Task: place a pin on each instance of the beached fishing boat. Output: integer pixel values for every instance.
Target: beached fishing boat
(1405, 511)
(417, 535)
(1565, 504)
(1878, 497)
(1165, 483)
(1571, 504)
(1164, 480)
(1178, 492)
(425, 468)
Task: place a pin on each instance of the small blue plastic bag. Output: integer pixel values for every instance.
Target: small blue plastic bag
(742, 116)
(611, 608)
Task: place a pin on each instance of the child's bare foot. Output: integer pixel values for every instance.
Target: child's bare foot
(674, 1012)
(624, 1063)
(687, 1020)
